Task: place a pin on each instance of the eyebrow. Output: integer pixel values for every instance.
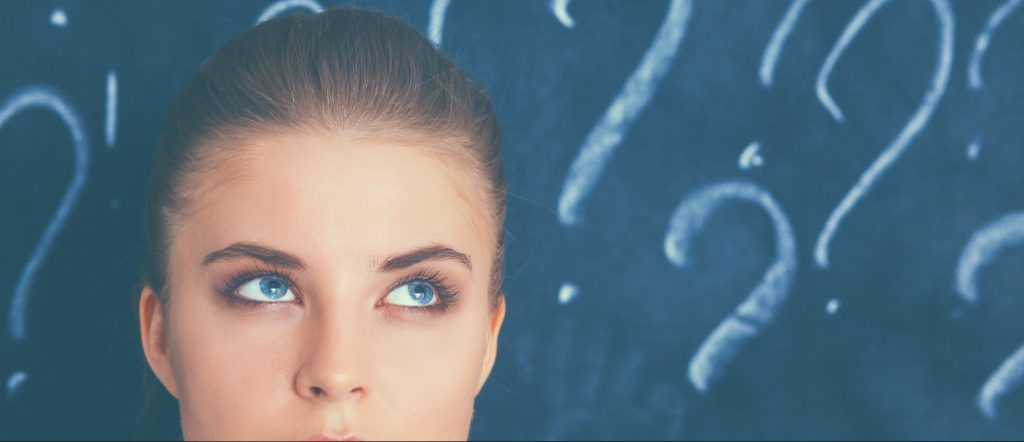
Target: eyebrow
(431, 252)
(240, 250)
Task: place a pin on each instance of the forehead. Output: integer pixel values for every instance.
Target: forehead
(335, 197)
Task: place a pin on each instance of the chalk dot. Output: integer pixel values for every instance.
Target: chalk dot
(832, 307)
(567, 293)
(59, 18)
(974, 149)
(751, 157)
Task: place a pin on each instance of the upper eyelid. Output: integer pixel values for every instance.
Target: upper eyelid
(251, 274)
(291, 285)
(421, 275)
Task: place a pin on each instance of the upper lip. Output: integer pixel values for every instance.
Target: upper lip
(333, 436)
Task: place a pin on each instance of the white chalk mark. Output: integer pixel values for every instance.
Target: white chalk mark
(567, 293)
(759, 308)
(438, 12)
(751, 157)
(1006, 378)
(832, 307)
(974, 148)
(59, 18)
(607, 135)
(278, 7)
(897, 146)
(981, 43)
(561, 10)
(111, 109)
(983, 247)
(851, 31)
(717, 350)
(14, 383)
(44, 97)
(771, 52)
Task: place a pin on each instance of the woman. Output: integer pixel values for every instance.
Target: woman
(324, 226)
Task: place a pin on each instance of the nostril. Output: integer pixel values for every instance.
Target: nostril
(318, 391)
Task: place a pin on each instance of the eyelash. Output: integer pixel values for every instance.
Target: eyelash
(447, 292)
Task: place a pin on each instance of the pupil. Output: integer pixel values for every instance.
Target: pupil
(272, 287)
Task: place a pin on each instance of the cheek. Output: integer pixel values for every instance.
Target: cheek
(428, 376)
(229, 368)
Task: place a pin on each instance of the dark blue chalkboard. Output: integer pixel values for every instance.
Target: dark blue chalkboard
(729, 219)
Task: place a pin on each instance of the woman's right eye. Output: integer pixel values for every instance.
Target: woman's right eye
(267, 289)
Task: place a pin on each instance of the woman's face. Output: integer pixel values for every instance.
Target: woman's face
(308, 292)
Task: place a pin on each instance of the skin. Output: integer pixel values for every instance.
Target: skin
(341, 358)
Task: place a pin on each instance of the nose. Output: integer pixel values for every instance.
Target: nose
(333, 363)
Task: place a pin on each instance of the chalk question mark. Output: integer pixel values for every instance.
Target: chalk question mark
(982, 248)
(991, 239)
(43, 97)
(759, 308)
(913, 127)
(607, 135)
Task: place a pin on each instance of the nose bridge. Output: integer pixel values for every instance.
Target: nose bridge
(334, 363)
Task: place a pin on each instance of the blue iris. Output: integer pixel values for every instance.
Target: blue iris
(273, 288)
(422, 293)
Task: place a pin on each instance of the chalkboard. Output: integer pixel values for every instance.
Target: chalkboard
(728, 219)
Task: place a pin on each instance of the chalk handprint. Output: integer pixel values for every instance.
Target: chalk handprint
(586, 385)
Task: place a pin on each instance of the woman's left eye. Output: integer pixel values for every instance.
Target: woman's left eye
(414, 294)
(267, 289)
